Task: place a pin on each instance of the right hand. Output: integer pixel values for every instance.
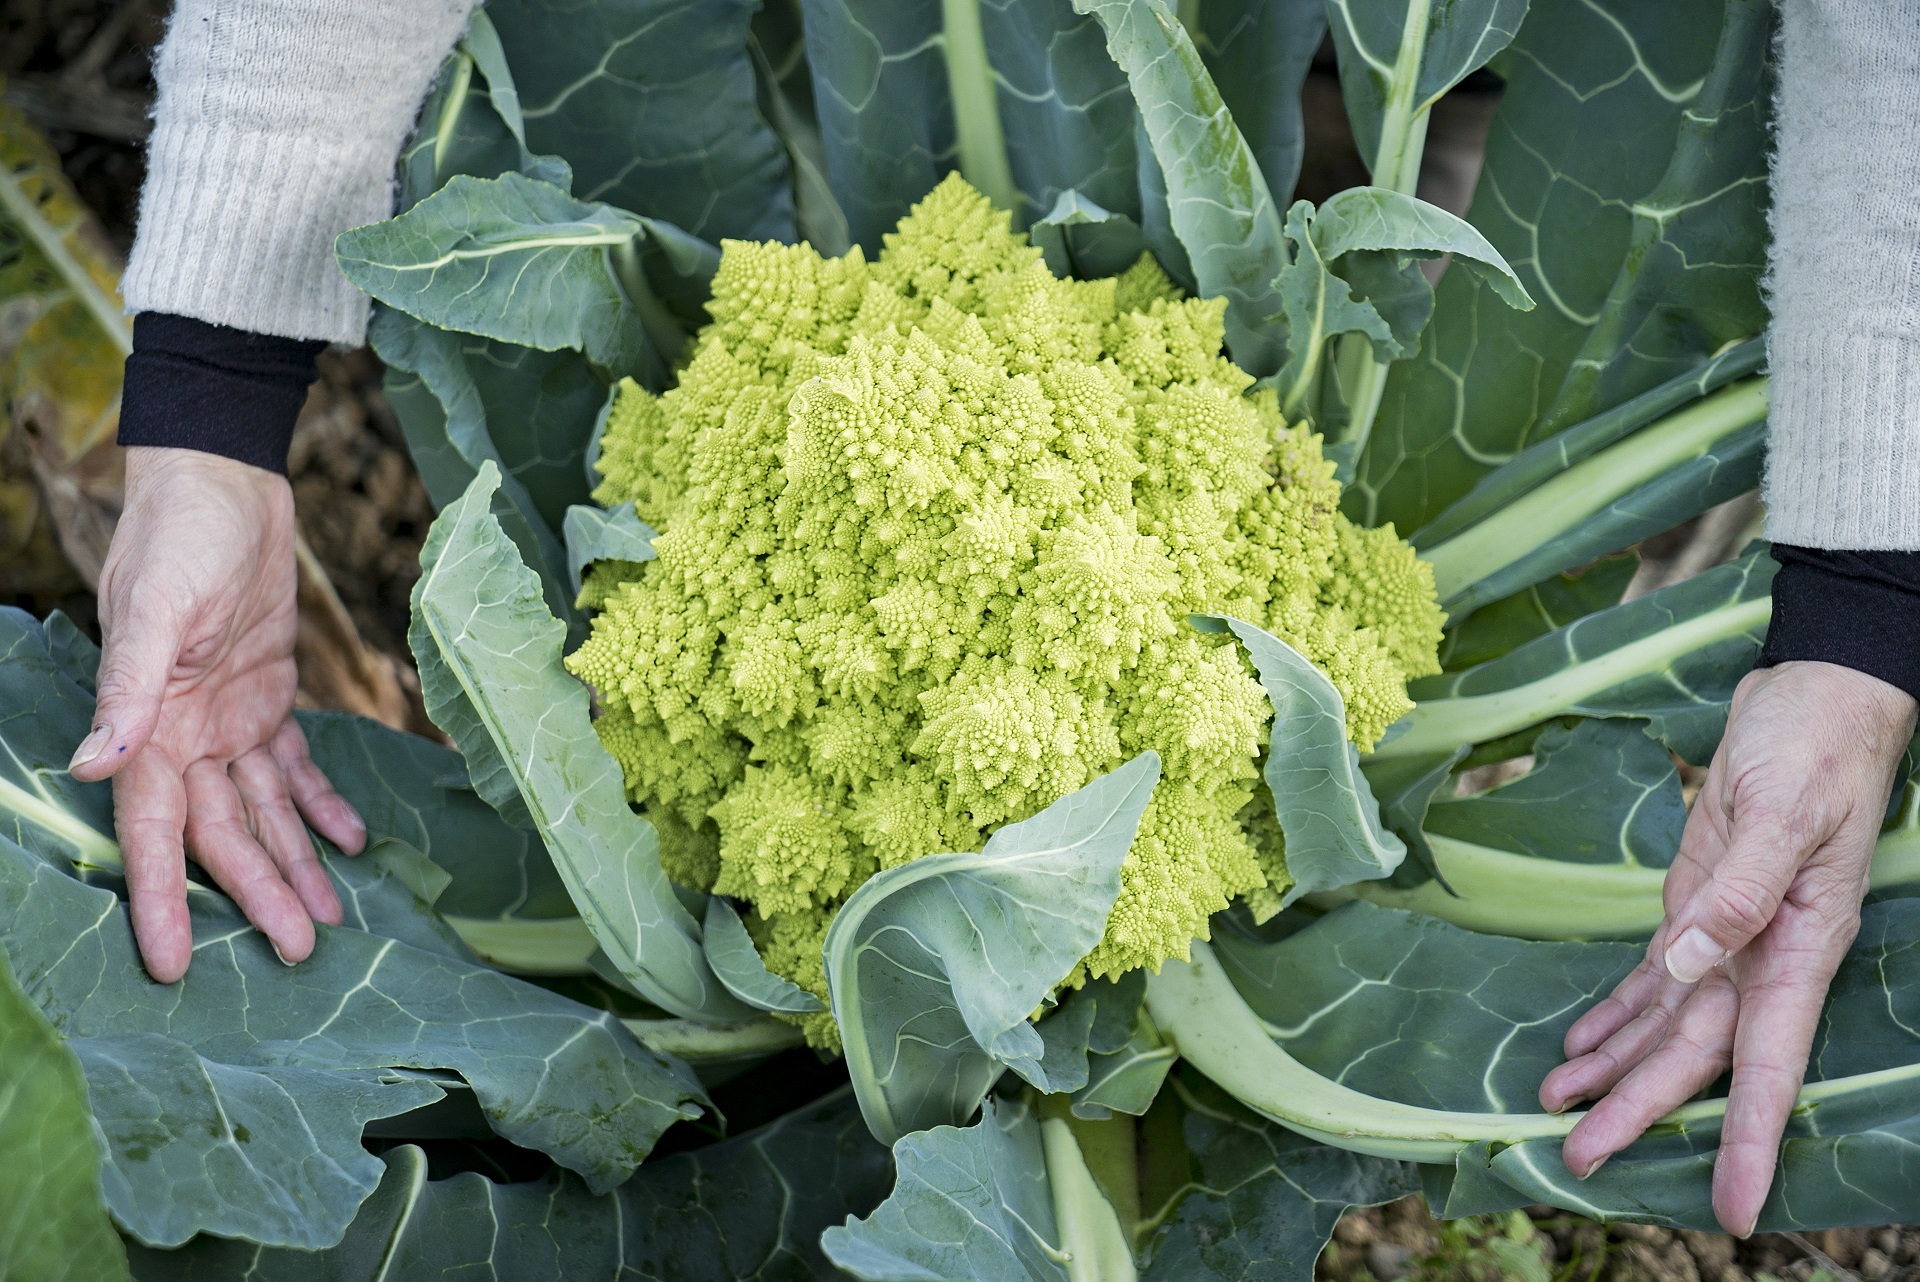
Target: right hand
(194, 721)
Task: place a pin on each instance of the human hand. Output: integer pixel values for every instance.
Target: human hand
(194, 720)
(1761, 905)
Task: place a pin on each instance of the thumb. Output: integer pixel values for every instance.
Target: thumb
(134, 670)
(1763, 855)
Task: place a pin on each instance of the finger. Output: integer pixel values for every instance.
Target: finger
(263, 788)
(134, 669)
(149, 813)
(218, 837)
(1696, 1049)
(1615, 1011)
(329, 812)
(1780, 1012)
(1764, 851)
(1594, 1074)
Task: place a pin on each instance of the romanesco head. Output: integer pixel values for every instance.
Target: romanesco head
(931, 528)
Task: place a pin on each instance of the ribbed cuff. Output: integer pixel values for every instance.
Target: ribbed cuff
(1860, 610)
(1843, 455)
(237, 229)
(195, 386)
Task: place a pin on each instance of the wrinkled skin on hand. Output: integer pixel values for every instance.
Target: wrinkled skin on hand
(194, 722)
(1761, 905)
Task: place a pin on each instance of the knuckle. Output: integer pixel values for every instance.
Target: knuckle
(1744, 903)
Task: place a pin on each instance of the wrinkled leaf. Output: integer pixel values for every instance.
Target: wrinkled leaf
(269, 1154)
(1258, 53)
(967, 1203)
(595, 533)
(1126, 1080)
(454, 423)
(736, 963)
(1084, 241)
(512, 259)
(1218, 203)
(750, 1209)
(489, 654)
(548, 1073)
(934, 966)
(1325, 807)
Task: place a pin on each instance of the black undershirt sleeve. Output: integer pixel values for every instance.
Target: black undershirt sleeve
(212, 388)
(1860, 610)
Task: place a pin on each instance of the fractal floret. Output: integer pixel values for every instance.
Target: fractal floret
(931, 528)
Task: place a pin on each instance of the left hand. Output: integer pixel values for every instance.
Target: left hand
(1761, 905)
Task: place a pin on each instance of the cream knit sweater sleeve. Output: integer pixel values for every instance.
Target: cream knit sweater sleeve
(276, 128)
(1843, 465)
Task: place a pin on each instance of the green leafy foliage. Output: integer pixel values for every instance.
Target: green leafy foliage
(748, 1208)
(1321, 799)
(935, 966)
(54, 1225)
(1578, 217)
(489, 655)
(969, 1202)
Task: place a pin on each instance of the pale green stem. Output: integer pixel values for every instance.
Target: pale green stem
(24, 212)
(1563, 502)
(529, 945)
(690, 1039)
(1441, 725)
(1200, 1012)
(1503, 892)
(91, 849)
(450, 111)
(976, 114)
(1091, 1239)
(1396, 165)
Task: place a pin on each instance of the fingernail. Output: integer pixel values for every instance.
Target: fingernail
(282, 956)
(1691, 956)
(1588, 1173)
(1571, 1102)
(91, 746)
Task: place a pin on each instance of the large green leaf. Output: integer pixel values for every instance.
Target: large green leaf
(1673, 470)
(1016, 94)
(652, 102)
(1325, 807)
(1624, 182)
(1445, 1018)
(1258, 52)
(1265, 1200)
(1601, 793)
(548, 1073)
(1397, 59)
(934, 967)
(968, 1203)
(1552, 603)
(531, 403)
(737, 964)
(53, 1225)
(416, 791)
(1672, 657)
(750, 1209)
(266, 1153)
(512, 259)
(1217, 201)
(489, 654)
(778, 45)
(1372, 237)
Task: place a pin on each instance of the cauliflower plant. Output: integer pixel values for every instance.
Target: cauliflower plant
(931, 530)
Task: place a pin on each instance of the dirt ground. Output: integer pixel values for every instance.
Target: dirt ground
(1403, 1241)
